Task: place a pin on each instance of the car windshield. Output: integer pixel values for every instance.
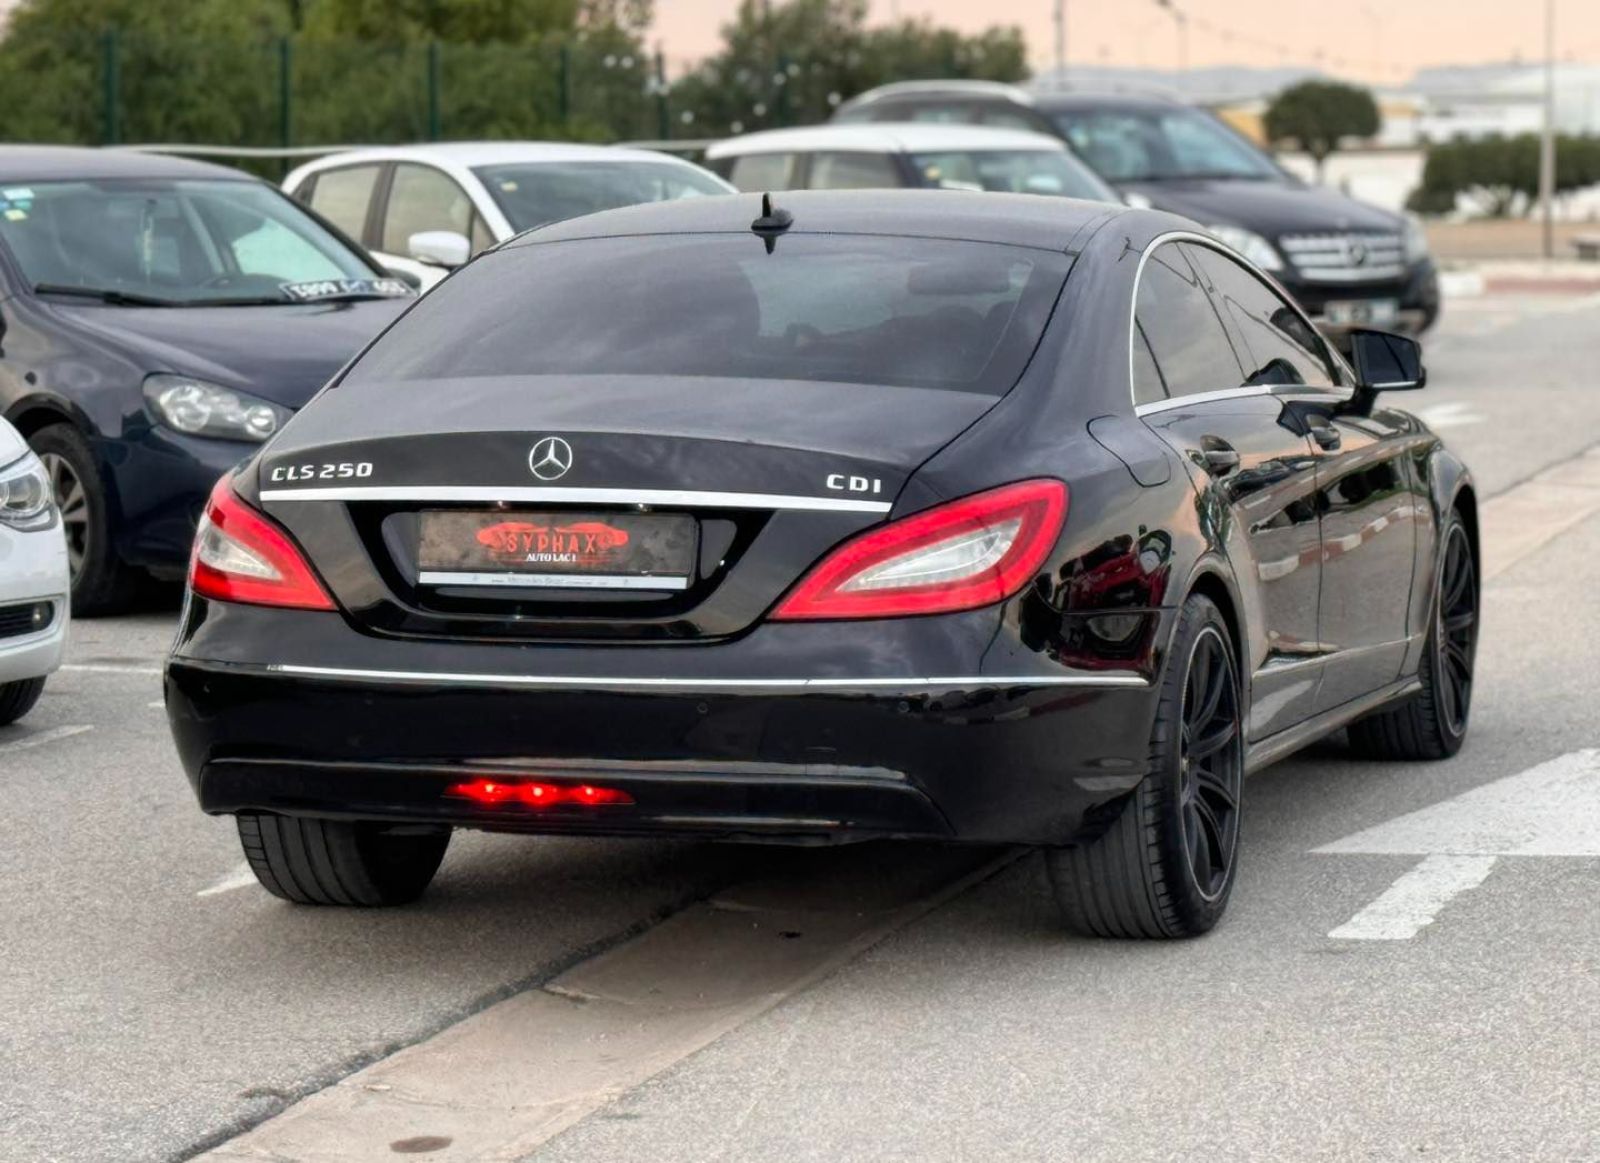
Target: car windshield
(537, 193)
(1161, 144)
(1040, 171)
(864, 310)
(175, 242)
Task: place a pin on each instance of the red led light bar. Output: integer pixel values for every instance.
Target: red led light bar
(535, 794)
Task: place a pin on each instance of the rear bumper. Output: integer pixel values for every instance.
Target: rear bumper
(1011, 758)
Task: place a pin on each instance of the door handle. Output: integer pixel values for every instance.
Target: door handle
(1218, 456)
(1326, 436)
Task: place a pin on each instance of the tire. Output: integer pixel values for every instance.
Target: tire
(1166, 866)
(101, 582)
(17, 698)
(340, 862)
(1432, 724)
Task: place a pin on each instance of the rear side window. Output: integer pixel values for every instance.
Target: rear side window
(343, 196)
(1279, 347)
(422, 198)
(1189, 348)
(854, 171)
(756, 172)
(962, 316)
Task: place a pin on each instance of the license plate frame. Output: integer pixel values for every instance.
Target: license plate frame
(548, 549)
(1361, 312)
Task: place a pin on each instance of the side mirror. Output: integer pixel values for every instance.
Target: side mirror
(440, 248)
(1386, 363)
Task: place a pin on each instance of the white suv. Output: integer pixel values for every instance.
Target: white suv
(33, 578)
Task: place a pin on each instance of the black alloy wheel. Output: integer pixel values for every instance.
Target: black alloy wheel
(1432, 724)
(1211, 765)
(1166, 865)
(1456, 631)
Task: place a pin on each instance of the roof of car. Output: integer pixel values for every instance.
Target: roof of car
(884, 137)
(1053, 102)
(496, 153)
(951, 88)
(1011, 219)
(44, 163)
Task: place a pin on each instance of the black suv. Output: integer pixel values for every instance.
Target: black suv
(1350, 264)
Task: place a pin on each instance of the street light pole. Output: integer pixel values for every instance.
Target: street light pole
(1547, 144)
(1061, 44)
(1181, 18)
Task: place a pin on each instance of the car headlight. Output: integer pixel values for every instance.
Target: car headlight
(1416, 240)
(1250, 244)
(25, 501)
(201, 409)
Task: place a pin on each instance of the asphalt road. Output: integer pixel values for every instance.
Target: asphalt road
(155, 1005)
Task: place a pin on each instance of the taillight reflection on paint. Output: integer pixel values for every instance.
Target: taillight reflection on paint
(534, 794)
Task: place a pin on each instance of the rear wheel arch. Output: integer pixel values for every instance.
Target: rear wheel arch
(1466, 503)
(1213, 585)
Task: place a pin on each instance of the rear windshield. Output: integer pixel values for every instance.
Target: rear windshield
(925, 313)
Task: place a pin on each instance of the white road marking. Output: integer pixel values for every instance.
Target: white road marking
(1453, 414)
(240, 877)
(1549, 810)
(40, 738)
(1552, 809)
(111, 668)
(1411, 903)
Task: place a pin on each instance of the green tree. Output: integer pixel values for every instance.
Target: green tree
(1501, 173)
(1317, 115)
(793, 61)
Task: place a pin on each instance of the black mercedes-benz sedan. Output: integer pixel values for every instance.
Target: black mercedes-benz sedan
(159, 319)
(937, 515)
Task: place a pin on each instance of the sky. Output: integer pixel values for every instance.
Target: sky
(1375, 41)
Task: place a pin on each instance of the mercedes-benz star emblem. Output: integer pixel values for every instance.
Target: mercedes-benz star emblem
(1358, 252)
(550, 458)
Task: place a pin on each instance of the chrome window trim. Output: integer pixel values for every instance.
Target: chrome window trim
(560, 495)
(597, 682)
(1205, 240)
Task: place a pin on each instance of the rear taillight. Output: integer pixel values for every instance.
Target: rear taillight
(241, 555)
(958, 556)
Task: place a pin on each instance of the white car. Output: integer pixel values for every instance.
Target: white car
(910, 155)
(426, 209)
(34, 581)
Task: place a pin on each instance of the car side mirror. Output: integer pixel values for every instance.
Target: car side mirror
(1385, 362)
(440, 248)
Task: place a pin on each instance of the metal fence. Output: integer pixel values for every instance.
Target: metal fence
(113, 88)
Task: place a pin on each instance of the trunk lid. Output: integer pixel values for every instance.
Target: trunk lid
(772, 473)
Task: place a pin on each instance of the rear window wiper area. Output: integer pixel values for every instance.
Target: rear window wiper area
(105, 295)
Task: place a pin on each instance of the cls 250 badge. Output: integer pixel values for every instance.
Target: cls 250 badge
(338, 471)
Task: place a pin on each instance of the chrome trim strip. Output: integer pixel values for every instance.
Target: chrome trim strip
(446, 678)
(569, 581)
(689, 497)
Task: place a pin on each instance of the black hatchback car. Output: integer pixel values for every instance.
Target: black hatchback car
(1348, 263)
(159, 319)
(975, 517)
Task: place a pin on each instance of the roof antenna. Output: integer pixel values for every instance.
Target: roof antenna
(774, 221)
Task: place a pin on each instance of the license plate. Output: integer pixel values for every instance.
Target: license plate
(618, 551)
(1362, 312)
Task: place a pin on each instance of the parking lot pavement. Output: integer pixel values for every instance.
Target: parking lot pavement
(980, 1033)
(157, 1002)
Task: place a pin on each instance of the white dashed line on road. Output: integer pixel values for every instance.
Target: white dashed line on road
(40, 738)
(1411, 903)
(240, 877)
(1552, 809)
